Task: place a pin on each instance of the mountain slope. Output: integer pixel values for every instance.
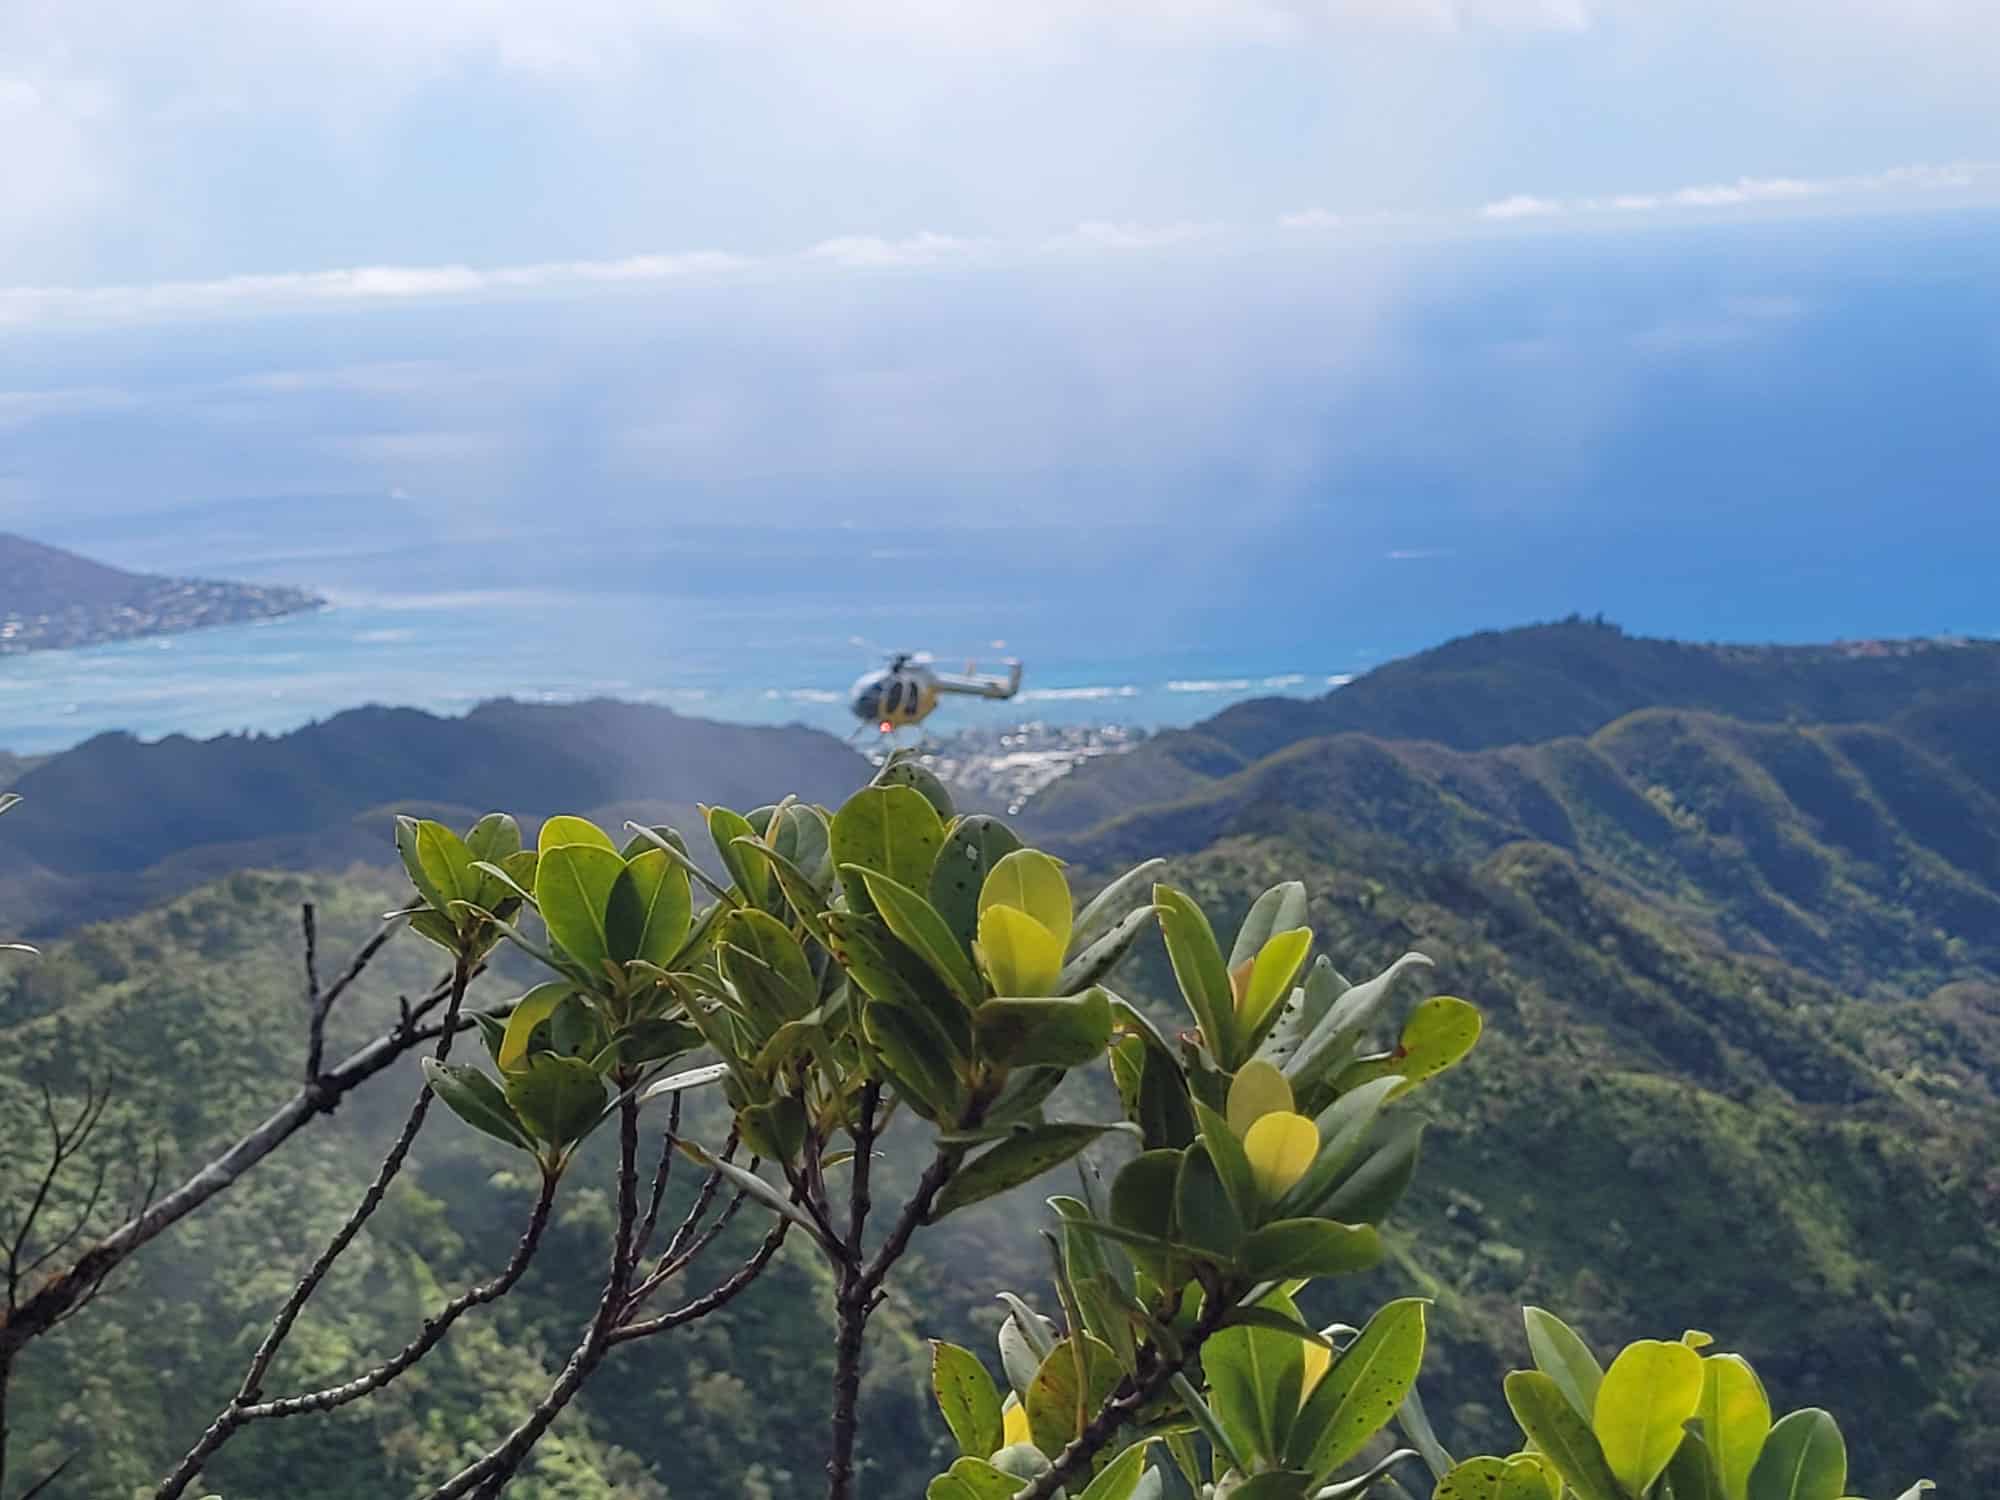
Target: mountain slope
(50, 598)
(1525, 686)
(117, 822)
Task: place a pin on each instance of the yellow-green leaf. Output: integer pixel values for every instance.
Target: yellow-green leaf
(1033, 882)
(1280, 1148)
(1258, 1089)
(1271, 976)
(1440, 1031)
(1020, 955)
(1804, 1458)
(572, 890)
(1561, 1434)
(564, 829)
(1735, 1420)
(1650, 1391)
(1493, 1479)
(529, 1012)
(967, 1397)
(647, 914)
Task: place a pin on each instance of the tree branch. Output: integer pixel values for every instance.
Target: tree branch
(490, 1474)
(1133, 1396)
(61, 1295)
(231, 1418)
(434, 1330)
(702, 1306)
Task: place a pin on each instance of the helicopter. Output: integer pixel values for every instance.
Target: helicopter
(905, 692)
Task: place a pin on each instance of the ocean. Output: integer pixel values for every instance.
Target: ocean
(746, 626)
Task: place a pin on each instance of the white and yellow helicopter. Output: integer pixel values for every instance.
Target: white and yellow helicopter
(905, 692)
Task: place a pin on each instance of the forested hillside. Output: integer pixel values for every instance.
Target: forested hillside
(1526, 686)
(1740, 1072)
(119, 822)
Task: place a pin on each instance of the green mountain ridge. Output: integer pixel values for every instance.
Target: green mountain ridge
(1526, 686)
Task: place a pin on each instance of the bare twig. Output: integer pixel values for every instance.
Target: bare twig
(47, 1479)
(702, 1306)
(851, 1304)
(231, 1417)
(1133, 1395)
(60, 1295)
(489, 1475)
(661, 1173)
(434, 1330)
(315, 1004)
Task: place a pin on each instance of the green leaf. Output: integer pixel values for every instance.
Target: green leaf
(1356, 1397)
(1098, 960)
(446, 863)
(1388, 1161)
(1804, 1458)
(1119, 1479)
(1563, 1436)
(902, 769)
(693, 1078)
(1198, 968)
(917, 925)
(1059, 1031)
(1344, 1023)
(1691, 1472)
(1109, 908)
(557, 1098)
(972, 847)
(1202, 1208)
(775, 1130)
(647, 913)
(1142, 1202)
(1492, 1479)
(1440, 1032)
(967, 1397)
(1651, 1390)
(921, 1056)
(892, 830)
(1279, 909)
(1025, 1339)
(529, 1012)
(1019, 954)
(1077, 1378)
(565, 830)
(1348, 1129)
(1254, 1378)
(885, 970)
(572, 890)
(1564, 1357)
(1735, 1420)
(477, 1100)
(1225, 1151)
(1258, 1089)
(1294, 1248)
(973, 1479)
(751, 874)
(770, 970)
(1031, 882)
(1019, 1158)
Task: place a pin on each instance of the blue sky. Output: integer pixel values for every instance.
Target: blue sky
(1435, 264)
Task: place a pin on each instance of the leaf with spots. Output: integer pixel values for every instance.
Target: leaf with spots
(1357, 1397)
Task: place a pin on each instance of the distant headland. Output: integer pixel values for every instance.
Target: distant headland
(51, 600)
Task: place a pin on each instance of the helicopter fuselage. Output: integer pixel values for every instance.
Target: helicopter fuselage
(906, 692)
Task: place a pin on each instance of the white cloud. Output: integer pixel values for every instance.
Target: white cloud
(867, 251)
(1521, 206)
(1099, 234)
(1752, 192)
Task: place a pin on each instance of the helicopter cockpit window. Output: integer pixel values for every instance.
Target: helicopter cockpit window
(894, 705)
(869, 701)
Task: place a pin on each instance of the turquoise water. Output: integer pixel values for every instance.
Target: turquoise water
(447, 651)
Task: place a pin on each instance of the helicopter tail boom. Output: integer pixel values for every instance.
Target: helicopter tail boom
(975, 686)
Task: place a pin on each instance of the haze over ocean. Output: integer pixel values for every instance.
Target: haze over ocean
(1165, 481)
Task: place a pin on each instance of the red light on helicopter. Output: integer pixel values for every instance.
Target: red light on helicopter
(886, 726)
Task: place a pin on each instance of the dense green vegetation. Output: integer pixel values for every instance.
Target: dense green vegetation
(1741, 1071)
